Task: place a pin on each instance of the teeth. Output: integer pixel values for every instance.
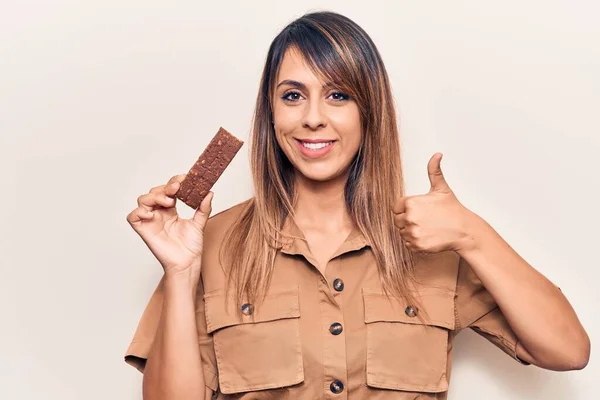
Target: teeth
(315, 146)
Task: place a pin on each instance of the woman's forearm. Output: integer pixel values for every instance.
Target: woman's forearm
(174, 368)
(540, 315)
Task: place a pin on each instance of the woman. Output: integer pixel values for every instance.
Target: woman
(329, 282)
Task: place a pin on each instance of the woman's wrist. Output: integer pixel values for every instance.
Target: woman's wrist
(182, 280)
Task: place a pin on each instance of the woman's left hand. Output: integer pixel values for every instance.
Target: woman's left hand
(435, 221)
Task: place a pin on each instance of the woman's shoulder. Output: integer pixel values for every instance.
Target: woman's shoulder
(222, 220)
(438, 269)
(216, 231)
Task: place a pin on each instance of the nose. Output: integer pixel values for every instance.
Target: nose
(313, 117)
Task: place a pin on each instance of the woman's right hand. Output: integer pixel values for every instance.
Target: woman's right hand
(176, 242)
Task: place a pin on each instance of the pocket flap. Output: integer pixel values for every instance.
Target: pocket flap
(279, 303)
(438, 304)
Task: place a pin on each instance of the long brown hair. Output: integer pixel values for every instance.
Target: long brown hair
(340, 51)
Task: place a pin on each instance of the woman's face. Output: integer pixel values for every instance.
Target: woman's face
(317, 127)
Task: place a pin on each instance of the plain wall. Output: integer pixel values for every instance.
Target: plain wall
(102, 100)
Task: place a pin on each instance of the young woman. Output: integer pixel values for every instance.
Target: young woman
(329, 282)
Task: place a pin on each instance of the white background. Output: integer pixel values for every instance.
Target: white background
(102, 100)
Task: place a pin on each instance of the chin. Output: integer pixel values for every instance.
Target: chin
(319, 175)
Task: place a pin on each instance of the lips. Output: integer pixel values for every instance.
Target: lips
(315, 140)
(315, 153)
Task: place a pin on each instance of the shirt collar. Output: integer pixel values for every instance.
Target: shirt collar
(299, 245)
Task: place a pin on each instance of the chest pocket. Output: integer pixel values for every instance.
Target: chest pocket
(257, 348)
(403, 353)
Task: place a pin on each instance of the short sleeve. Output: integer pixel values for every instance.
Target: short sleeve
(139, 348)
(475, 308)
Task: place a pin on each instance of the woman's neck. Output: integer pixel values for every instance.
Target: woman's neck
(321, 205)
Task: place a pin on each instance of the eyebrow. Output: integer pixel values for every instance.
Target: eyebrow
(301, 85)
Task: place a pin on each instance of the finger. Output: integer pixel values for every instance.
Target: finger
(139, 214)
(400, 221)
(176, 178)
(157, 189)
(151, 200)
(399, 206)
(436, 176)
(172, 189)
(174, 185)
(203, 212)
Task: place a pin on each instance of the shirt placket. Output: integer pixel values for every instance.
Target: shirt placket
(330, 287)
(334, 342)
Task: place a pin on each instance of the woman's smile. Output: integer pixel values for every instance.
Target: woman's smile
(314, 148)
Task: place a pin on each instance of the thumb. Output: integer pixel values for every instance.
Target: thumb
(203, 212)
(436, 176)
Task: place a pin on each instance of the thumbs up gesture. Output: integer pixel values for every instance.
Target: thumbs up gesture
(435, 221)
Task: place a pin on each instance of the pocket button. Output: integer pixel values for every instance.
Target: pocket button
(411, 311)
(247, 309)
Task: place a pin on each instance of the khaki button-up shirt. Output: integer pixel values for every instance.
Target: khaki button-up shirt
(331, 335)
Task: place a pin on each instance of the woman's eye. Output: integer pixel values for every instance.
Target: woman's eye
(291, 96)
(339, 96)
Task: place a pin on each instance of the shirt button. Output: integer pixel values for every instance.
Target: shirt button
(338, 285)
(247, 309)
(411, 311)
(336, 387)
(336, 328)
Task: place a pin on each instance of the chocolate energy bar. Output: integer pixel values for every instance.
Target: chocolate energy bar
(208, 168)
